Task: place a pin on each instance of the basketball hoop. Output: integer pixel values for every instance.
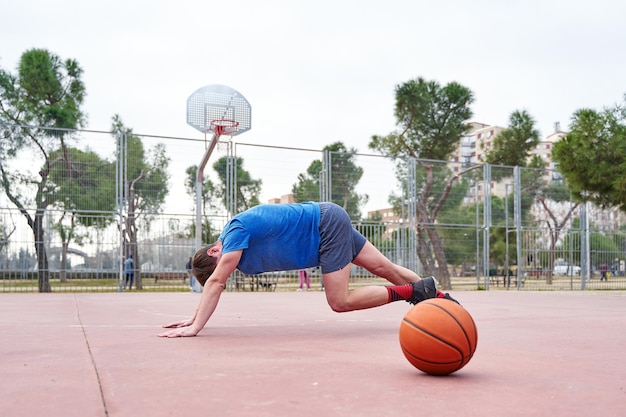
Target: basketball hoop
(215, 108)
(221, 110)
(224, 127)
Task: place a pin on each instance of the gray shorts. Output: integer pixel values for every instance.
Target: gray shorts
(340, 243)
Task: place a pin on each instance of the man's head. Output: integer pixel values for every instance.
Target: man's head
(204, 262)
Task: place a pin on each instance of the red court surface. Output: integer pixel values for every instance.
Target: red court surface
(288, 354)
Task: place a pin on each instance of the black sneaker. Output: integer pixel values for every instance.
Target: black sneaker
(423, 289)
(446, 296)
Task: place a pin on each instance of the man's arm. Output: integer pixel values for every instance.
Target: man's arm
(211, 293)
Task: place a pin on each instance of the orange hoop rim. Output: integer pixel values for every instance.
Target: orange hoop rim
(224, 126)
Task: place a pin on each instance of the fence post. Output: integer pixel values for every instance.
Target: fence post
(517, 218)
(412, 214)
(585, 264)
(120, 198)
(486, 222)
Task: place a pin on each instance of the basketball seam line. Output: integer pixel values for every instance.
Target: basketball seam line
(437, 338)
(460, 325)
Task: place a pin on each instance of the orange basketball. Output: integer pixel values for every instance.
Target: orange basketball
(438, 336)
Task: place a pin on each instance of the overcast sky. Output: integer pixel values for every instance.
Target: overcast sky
(320, 71)
(309, 67)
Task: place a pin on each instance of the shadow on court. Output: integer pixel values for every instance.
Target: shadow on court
(288, 354)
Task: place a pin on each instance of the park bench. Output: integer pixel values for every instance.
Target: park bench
(264, 282)
(496, 279)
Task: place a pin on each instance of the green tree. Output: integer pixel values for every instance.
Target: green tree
(373, 229)
(431, 120)
(82, 187)
(344, 177)
(512, 146)
(556, 221)
(247, 189)
(209, 201)
(592, 156)
(457, 228)
(46, 92)
(145, 188)
(308, 186)
(6, 231)
(599, 246)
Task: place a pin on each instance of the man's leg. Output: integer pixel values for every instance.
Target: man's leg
(408, 285)
(341, 299)
(375, 262)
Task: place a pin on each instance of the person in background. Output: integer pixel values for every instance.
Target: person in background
(305, 278)
(129, 272)
(194, 285)
(188, 267)
(604, 272)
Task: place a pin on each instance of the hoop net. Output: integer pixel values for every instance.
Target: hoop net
(224, 127)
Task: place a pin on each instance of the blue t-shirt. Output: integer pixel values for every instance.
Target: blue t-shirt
(274, 237)
(128, 265)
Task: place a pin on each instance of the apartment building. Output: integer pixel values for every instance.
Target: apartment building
(472, 149)
(475, 144)
(284, 199)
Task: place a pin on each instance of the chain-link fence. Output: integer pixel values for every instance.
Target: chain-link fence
(71, 215)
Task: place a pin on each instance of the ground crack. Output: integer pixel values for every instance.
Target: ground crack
(93, 361)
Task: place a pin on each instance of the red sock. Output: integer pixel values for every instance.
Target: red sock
(399, 292)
